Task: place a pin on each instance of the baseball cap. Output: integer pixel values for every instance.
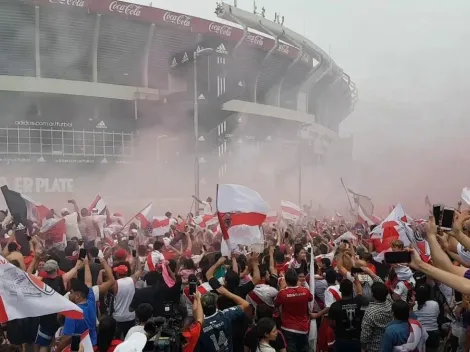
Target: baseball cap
(50, 266)
(64, 210)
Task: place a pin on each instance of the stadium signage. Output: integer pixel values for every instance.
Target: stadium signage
(125, 9)
(220, 29)
(283, 48)
(75, 3)
(180, 20)
(39, 185)
(255, 39)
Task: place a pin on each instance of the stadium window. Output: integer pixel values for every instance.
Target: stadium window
(68, 143)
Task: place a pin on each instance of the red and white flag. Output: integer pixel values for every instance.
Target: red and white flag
(206, 220)
(291, 211)
(272, 217)
(54, 229)
(241, 211)
(36, 211)
(98, 204)
(143, 216)
(161, 225)
(24, 296)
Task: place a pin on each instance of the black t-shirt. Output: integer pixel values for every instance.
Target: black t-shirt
(151, 295)
(251, 340)
(347, 315)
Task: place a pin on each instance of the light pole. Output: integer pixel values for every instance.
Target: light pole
(203, 52)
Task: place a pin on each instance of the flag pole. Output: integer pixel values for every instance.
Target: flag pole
(347, 194)
(127, 223)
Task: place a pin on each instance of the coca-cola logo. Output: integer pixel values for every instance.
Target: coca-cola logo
(220, 29)
(125, 9)
(283, 48)
(180, 20)
(255, 39)
(75, 3)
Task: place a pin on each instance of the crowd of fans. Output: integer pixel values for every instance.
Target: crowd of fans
(179, 292)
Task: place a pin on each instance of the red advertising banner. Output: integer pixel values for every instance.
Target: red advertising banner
(176, 20)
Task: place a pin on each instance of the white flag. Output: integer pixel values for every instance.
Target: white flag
(23, 296)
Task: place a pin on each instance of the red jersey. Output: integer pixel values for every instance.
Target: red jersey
(294, 303)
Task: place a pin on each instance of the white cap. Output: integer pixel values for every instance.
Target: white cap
(64, 210)
(134, 343)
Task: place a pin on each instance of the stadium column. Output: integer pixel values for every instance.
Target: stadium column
(203, 52)
(94, 51)
(37, 36)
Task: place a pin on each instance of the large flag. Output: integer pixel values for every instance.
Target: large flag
(206, 220)
(23, 296)
(143, 216)
(54, 229)
(23, 210)
(363, 218)
(99, 204)
(291, 211)
(241, 211)
(363, 201)
(272, 217)
(161, 225)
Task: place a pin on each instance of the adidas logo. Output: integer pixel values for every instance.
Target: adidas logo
(201, 97)
(240, 84)
(41, 160)
(199, 48)
(221, 49)
(174, 63)
(101, 124)
(104, 161)
(185, 58)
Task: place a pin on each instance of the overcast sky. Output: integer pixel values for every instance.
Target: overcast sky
(410, 60)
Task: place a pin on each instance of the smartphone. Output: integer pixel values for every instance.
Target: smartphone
(75, 344)
(192, 288)
(436, 212)
(134, 253)
(131, 238)
(458, 297)
(70, 201)
(447, 219)
(356, 270)
(82, 253)
(397, 257)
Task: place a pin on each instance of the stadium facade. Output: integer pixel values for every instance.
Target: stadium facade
(81, 81)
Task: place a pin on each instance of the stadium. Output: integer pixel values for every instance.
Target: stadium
(87, 85)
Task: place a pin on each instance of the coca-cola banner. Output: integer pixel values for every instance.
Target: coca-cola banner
(177, 20)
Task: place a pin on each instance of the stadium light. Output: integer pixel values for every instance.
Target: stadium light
(197, 54)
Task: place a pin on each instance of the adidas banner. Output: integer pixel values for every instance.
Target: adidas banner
(220, 49)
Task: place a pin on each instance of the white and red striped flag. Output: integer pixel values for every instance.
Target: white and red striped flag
(312, 335)
(291, 211)
(99, 204)
(24, 296)
(54, 229)
(36, 211)
(241, 211)
(161, 225)
(143, 216)
(272, 217)
(206, 220)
